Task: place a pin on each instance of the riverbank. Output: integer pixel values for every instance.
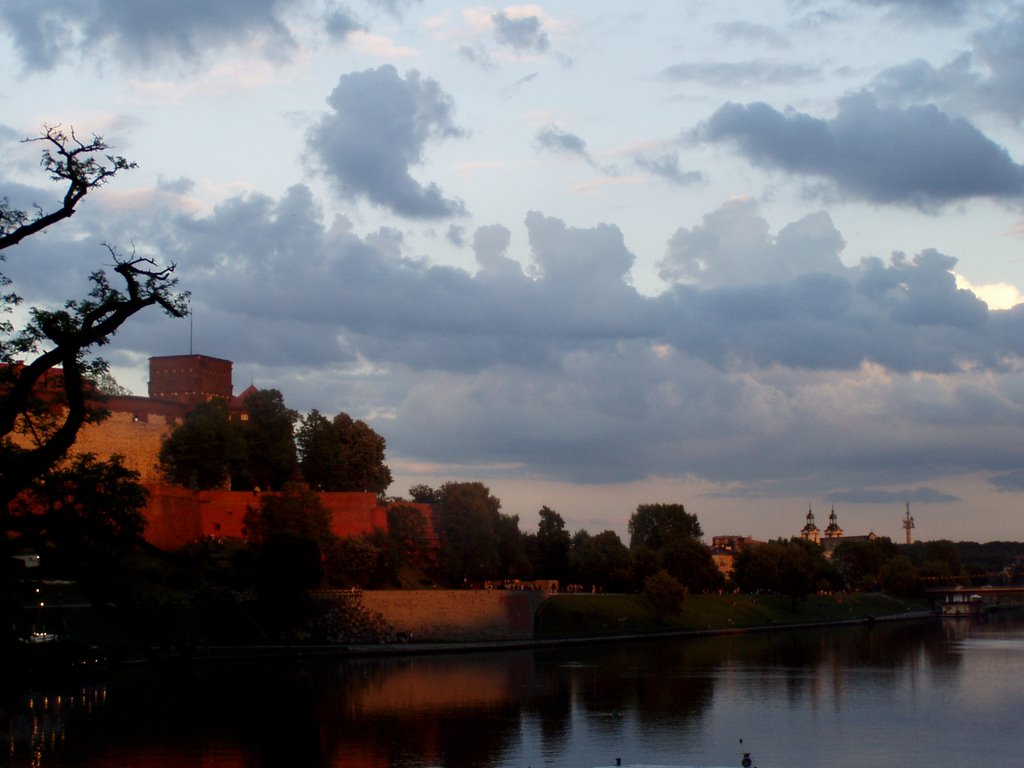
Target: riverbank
(471, 624)
(587, 619)
(567, 616)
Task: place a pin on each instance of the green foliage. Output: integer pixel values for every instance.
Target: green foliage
(200, 452)
(408, 527)
(292, 535)
(470, 543)
(269, 459)
(295, 511)
(424, 494)
(319, 450)
(665, 593)
(82, 518)
(860, 562)
(689, 561)
(601, 562)
(793, 567)
(658, 525)
(342, 455)
(666, 536)
(898, 576)
(369, 561)
(514, 560)
(552, 547)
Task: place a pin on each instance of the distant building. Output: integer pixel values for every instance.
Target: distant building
(810, 531)
(833, 531)
(834, 535)
(724, 550)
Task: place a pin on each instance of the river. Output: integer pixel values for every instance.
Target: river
(941, 693)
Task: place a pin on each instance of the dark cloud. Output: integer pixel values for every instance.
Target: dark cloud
(749, 32)
(490, 245)
(395, 7)
(341, 22)
(937, 12)
(477, 55)
(509, 90)
(916, 156)
(917, 81)
(524, 34)
(377, 131)
(667, 167)
(553, 138)
(1009, 482)
(989, 78)
(878, 496)
(456, 235)
(808, 377)
(143, 31)
(729, 74)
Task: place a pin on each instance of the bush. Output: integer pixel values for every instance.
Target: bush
(665, 593)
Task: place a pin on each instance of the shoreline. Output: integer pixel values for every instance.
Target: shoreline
(354, 650)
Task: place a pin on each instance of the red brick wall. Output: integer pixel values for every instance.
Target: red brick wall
(172, 517)
(189, 378)
(178, 516)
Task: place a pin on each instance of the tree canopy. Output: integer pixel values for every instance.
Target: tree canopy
(657, 525)
(201, 451)
(342, 454)
(81, 518)
(269, 458)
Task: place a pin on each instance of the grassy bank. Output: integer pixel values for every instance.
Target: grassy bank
(591, 615)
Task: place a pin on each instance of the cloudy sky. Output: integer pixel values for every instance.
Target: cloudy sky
(749, 257)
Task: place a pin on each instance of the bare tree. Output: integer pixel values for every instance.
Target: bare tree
(64, 338)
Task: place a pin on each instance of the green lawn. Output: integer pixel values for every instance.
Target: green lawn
(583, 615)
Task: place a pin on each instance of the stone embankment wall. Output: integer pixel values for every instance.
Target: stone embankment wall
(458, 615)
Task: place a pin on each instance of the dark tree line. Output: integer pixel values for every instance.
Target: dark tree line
(212, 448)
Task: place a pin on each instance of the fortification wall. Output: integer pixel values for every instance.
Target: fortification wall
(136, 435)
(178, 516)
(172, 517)
(458, 615)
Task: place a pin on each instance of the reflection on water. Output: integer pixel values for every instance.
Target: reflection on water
(937, 693)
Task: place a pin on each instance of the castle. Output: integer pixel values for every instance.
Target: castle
(176, 516)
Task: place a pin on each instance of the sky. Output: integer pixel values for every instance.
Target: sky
(753, 258)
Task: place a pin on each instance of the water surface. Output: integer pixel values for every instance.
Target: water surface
(943, 694)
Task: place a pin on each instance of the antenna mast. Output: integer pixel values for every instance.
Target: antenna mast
(908, 523)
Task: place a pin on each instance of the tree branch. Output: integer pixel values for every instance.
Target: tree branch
(69, 160)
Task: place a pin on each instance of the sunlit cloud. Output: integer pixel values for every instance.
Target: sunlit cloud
(380, 47)
(996, 295)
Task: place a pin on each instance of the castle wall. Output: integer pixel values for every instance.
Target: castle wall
(458, 615)
(135, 432)
(172, 517)
(178, 516)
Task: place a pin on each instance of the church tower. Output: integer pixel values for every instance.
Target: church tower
(833, 531)
(810, 530)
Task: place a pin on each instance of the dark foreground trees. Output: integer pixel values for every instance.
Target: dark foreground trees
(82, 519)
(65, 337)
